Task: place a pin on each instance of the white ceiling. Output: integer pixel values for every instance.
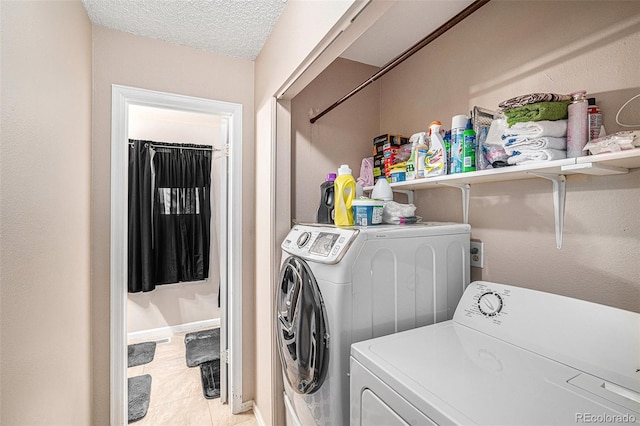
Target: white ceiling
(404, 24)
(236, 28)
(239, 28)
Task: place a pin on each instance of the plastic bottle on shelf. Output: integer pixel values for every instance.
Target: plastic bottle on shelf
(577, 124)
(325, 210)
(411, 162)
(436, 161)
(382, 190)
(458, 126)
(344, 193)
(595, 119)
(447, 148)
(421, 153)
(469, 149)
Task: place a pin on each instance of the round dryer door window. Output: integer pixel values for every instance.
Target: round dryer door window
(301, 327)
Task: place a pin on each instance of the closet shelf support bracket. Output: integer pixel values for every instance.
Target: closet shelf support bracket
(559, 192)
(407, 192)
(465, 188)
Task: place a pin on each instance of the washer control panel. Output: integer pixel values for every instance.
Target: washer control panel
(317, 243)
(490, 303)
(486, 301)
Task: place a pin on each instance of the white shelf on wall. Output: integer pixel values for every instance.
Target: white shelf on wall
(601, 164)
(611, 163)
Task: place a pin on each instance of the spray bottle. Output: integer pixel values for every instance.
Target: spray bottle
(421, 153)
(469, 149)
(344, 193)
(436, 160)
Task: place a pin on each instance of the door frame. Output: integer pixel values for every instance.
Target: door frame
(230, 233)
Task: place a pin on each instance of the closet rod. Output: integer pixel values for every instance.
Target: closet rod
(477, 4)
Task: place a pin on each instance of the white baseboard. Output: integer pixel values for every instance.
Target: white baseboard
(244, 407)
(170, 331)
(259, 419)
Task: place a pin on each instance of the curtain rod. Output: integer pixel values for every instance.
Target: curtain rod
(407, 53)
(204, 147)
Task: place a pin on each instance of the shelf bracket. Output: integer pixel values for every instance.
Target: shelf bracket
(559, 192)
(465, 188)
(407, 192)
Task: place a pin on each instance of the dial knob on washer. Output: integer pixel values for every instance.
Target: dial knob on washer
(490, 303)
(303, 239)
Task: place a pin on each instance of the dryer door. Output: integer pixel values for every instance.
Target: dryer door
(301, 323)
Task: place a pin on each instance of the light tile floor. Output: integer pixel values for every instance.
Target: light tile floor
(176, 392)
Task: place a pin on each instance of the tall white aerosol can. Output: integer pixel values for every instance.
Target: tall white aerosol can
(578, 124)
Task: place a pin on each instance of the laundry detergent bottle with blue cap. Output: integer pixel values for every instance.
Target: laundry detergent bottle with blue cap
(344, 192)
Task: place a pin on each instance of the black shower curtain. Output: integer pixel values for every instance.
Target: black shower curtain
(169, 214)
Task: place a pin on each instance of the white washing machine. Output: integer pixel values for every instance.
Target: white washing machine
(343, 285)
(510, 356)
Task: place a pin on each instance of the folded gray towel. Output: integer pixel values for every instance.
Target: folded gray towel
(532, 98)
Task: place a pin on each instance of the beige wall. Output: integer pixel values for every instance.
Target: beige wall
(125, 59)
(337, 138)
(299, 30)
(492, 56)
(182, 306)
(515, 219)
(44, 214)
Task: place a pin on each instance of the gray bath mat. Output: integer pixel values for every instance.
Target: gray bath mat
(139, 391)
(202, 346)
(141, 353)
(210, 377)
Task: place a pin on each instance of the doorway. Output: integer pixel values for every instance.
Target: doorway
(229, 116)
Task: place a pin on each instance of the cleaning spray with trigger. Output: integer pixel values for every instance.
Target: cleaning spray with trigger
(420, 153)
(436, 160)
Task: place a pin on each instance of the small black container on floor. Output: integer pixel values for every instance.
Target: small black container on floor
(210, 376)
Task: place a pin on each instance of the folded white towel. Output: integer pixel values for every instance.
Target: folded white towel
(525, 157)
(536, 129)
(516, 144)
(496, 131)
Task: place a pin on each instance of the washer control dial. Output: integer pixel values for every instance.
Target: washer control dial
(490, 303)
(303, 239)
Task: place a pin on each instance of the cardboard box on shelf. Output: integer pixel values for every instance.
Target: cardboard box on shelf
(384, 149)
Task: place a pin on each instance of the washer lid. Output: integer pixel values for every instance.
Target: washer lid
(455, 374)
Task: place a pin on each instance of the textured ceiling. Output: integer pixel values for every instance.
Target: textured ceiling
(236, 28)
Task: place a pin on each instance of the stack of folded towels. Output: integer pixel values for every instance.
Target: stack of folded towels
(537, 128)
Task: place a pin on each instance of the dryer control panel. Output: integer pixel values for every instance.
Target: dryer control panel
(323, 244)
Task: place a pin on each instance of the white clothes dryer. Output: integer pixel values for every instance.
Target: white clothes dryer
(510, 356)
(343, 285)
